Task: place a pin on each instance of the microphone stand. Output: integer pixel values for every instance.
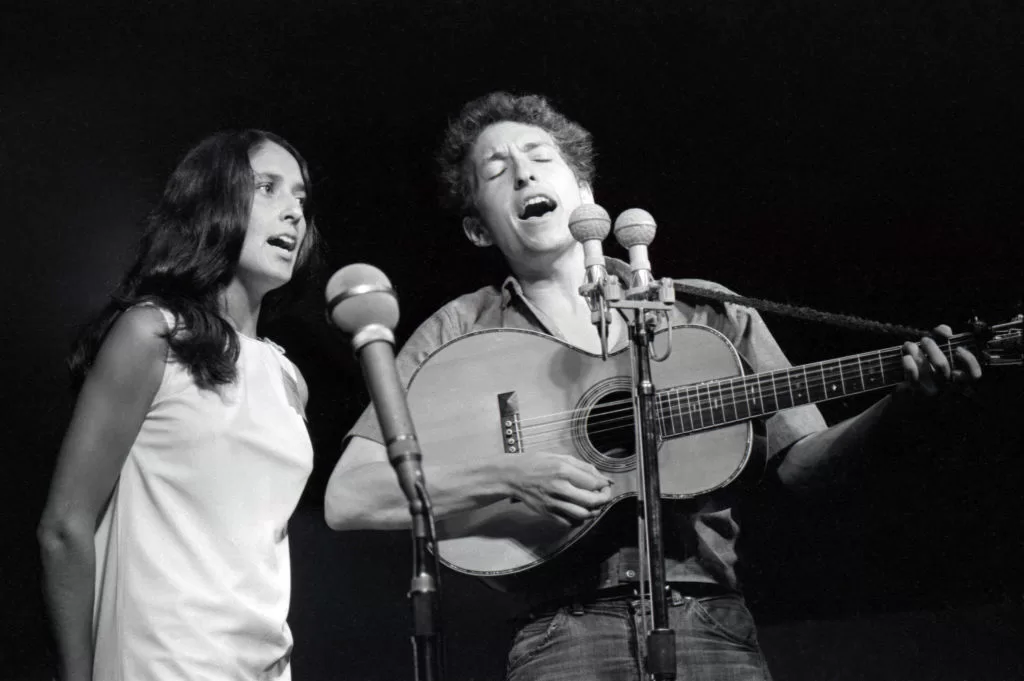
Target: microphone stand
(424, 590)
(646, 299)
(371, 323)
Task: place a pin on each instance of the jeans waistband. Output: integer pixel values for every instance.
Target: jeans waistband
(631, 591)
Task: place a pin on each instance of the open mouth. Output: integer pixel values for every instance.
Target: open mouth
(286, 242)
(537, 206)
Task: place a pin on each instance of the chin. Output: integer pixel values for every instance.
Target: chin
(275, 280)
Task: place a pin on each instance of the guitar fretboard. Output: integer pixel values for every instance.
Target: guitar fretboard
(712, 404)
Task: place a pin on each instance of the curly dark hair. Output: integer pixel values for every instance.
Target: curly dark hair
(188, 254)
(573, 141)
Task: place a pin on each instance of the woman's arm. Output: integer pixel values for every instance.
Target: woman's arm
(115, 398)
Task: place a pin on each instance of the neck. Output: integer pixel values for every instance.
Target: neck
(553, 284)
(241, 308)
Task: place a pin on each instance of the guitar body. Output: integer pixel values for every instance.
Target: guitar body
(502, 392)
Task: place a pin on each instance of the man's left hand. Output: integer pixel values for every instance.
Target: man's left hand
(927, 367)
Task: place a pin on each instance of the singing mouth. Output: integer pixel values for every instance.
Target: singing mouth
(537, 206)
(285, 242)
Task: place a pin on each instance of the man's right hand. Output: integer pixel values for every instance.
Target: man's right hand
(560, 485)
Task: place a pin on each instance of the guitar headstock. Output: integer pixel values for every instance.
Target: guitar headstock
(998, 345)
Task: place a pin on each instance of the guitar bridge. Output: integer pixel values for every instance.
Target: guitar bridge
(511, 435)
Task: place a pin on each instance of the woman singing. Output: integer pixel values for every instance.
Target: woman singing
(164, 537)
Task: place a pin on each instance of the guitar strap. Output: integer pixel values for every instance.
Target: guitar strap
(800, 312)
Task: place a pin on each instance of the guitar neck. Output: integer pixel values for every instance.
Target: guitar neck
(703, 406)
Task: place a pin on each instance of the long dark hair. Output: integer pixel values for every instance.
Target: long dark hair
(189, 251)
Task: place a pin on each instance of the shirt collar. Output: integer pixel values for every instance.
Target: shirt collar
(512, 288)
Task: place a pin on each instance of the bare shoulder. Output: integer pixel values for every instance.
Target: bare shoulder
(136, 345)
(117, 394)
(142, 324)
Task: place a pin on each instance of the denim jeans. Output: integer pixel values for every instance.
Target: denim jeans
(715, 641)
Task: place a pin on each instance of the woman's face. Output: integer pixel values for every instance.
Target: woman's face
(277, 224)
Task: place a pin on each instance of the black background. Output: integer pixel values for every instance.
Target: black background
(861, 157)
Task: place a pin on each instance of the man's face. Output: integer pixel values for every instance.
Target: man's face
(524, 192)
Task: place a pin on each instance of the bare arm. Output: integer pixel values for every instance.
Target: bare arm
(113, 403)
(927, 370)
(363, 491)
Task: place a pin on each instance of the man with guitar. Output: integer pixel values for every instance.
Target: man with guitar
(516, 169)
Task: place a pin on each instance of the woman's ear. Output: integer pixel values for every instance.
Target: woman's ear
(476, 232)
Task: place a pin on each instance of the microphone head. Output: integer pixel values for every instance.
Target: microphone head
(634, 227)
(589, 221)
(360, 295)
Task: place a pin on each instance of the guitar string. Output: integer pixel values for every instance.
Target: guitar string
(692, 408)
(680, 394)
(686, 410)
(684, 398)
(884, 354)
(881, 359)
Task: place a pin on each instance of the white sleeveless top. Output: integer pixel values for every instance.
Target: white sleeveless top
(192, 569)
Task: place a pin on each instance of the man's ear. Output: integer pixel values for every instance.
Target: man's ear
(586, 193)
(476, 232)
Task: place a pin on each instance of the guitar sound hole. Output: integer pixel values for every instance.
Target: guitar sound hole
(609, 425)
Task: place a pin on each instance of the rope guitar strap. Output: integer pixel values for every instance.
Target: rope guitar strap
(800, 312)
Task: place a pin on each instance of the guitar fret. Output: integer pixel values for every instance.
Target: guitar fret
(785, 400)
(832, 386)
(659, 401)
(815, 395)
(684, 406)
(675, 394)
(747, 393)
(741, 410)
(852, 379)
(760, 396)
(695, 399)
(710, 405)
(873, 378)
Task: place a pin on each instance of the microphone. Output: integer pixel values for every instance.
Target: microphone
(634, 230)
(362, 303)
(589, 224)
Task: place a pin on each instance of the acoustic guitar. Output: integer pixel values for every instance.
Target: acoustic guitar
(502, 392)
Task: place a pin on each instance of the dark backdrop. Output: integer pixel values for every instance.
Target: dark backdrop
(857, 156)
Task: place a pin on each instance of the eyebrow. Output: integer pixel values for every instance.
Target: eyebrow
(298, 186)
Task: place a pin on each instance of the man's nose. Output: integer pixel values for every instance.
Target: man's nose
(524, 175)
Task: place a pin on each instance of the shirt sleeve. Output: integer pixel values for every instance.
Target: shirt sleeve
(437, 330)
(748, 333)
(758, 347)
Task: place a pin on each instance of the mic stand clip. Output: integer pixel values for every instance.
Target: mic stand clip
(424, 590)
